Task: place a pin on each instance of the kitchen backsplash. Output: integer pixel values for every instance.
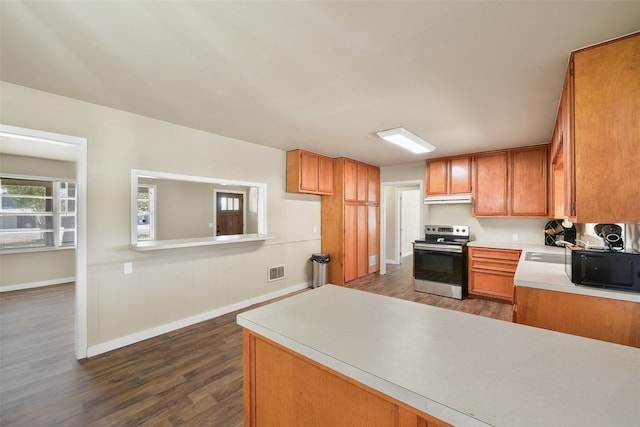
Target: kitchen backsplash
(632, 234)
(488, 229)
(507, 229)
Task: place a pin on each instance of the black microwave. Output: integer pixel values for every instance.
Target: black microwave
(604, 269)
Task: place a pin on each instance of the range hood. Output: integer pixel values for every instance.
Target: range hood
(443, 200)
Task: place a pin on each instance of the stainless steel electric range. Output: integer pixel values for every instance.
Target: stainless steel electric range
(440, 261)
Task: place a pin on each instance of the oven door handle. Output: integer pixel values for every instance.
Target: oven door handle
(435, 251)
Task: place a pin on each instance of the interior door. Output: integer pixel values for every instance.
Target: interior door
(229, 213)
(409, 220)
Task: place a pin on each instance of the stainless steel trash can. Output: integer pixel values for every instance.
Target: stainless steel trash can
(320, 262)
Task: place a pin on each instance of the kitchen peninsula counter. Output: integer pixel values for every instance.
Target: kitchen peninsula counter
(551, 275)
(463, 369)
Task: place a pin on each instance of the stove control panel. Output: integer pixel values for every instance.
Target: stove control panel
(447, 230)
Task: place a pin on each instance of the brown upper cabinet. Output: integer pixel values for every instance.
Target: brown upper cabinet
(373, 185)
(597, 130)
(361, 182)
(490, 185)
(528, 181)
(511, 183)
(349, 179)
(309, 173)
(451, 175)
(556, 166)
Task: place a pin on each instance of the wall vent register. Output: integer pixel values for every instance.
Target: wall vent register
(276, 273)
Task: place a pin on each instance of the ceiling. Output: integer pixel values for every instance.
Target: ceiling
(466, 76)
(38, 147)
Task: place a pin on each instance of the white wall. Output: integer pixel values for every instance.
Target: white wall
(35, 269)
(168, 287)
(489, 229)
(410, 229)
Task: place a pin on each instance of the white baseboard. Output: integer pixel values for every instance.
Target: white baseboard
(392, 261)
(41, 284)
(163, 329)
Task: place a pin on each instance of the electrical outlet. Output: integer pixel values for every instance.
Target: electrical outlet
(128, 267)
(515, 237)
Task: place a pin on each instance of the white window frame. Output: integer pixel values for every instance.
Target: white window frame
(58, 214)
(56, 230)
(152, 188)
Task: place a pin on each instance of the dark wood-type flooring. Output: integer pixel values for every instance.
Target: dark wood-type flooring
(192, 376)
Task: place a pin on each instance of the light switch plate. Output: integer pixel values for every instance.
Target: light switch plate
(128, 267)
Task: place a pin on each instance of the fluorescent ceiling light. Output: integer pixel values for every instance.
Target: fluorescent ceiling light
(407, 140)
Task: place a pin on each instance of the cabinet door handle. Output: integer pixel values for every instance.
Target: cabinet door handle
(499, 260)
(496, 271)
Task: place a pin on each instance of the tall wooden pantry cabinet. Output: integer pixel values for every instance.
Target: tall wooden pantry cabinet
(351, 221)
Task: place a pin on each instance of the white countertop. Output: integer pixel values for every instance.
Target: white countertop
(551, 276)
(465, 369)
(511, 245)
(155, 245)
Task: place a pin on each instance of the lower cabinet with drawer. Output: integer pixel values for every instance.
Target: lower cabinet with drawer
(491, 272)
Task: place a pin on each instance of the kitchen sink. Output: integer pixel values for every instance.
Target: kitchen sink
(544, 257)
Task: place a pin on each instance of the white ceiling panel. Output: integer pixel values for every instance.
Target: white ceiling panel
(325, 76)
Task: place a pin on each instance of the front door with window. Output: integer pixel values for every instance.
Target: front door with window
(229, 213)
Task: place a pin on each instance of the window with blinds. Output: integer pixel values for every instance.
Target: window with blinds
(37, 213)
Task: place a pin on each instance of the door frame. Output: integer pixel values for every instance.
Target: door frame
(398, 225)
(383, 215)
(81, 296)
